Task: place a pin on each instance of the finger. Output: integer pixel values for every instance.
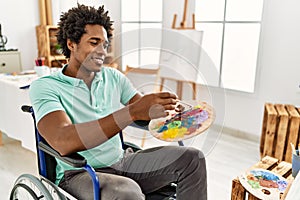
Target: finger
(179, 108)
(157, 111)
(158, 115)
(167, 95)
(169, 107)
(168, 101)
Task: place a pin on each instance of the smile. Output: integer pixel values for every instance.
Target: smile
(98, 60)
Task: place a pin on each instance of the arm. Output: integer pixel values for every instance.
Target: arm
(66, 138)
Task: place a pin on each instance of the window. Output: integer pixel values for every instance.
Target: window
(231, 39)
(138, 16)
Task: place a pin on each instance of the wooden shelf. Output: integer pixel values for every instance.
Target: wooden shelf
(46, 40)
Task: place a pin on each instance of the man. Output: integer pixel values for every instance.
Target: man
(79, 110)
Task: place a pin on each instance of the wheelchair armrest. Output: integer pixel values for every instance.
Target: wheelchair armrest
(141, 124)
(26, 108)
(74, 159)
(134, 147)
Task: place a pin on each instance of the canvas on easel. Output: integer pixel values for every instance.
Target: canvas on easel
(180, 54)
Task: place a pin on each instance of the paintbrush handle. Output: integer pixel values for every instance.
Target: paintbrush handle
(293, 148)
(184, 103)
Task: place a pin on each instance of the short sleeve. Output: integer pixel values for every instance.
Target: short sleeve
(44, 98)
(127, 90)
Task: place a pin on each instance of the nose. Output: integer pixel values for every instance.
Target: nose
(100, 49)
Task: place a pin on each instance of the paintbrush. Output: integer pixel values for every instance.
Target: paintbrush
(293, 149)
(182, 106)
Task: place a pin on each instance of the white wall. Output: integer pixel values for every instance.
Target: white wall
(278, 73)
(278, 63)
(278, 68)
(18, 19)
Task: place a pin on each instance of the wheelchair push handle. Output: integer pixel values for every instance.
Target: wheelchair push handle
(26, 108)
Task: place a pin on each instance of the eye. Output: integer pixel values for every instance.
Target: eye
(94, 43)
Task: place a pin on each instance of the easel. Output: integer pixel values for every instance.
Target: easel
(182, 27)
(45, 8)
(183, 22)
(1, 141)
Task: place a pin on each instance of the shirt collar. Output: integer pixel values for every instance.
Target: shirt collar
(76, 81)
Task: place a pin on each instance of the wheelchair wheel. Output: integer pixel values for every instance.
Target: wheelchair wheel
(22, 191)
(28, 187)
(53, 189)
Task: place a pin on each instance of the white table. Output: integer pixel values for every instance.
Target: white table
(13, 121)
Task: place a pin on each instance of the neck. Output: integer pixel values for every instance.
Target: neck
(80, 73)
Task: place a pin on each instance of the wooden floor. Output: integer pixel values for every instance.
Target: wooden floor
(226, 157)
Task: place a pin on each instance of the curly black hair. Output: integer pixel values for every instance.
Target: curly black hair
(72, 24)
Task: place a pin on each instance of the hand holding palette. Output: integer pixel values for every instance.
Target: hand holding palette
(185, 124)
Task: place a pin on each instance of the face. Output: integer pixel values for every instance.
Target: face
(89, 54)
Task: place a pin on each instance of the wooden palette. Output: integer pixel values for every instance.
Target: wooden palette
(173, 128)
(263, 184)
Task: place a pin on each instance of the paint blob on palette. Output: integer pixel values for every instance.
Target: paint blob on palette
(183, 125)
(264, 184)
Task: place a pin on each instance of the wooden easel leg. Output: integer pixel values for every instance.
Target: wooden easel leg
(179, 89)
(143, 139)
(162, 82)
(194, 91)
(174, 21)
(1, 142)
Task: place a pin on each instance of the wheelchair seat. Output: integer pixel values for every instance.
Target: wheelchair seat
(30, 187)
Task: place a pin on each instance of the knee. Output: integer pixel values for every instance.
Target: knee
(195, 154)
(196, 157)
(128, 189)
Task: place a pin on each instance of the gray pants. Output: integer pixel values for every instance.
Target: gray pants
(143, 172)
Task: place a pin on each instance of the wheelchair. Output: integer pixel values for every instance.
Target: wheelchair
(30, 187)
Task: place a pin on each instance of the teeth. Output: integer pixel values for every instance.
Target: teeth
(99, 60)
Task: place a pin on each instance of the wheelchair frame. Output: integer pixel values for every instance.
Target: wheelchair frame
(45, 187)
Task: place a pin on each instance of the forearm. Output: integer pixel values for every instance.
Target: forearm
(67, 138)
(78, 137)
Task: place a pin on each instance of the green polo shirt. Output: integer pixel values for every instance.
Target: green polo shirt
(110, 90)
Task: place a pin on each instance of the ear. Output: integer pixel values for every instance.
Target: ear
(70, 45)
